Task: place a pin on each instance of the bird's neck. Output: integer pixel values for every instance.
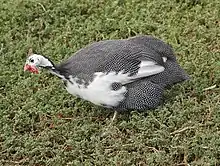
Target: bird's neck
(46, 63)
(56, 72)
(49, 65)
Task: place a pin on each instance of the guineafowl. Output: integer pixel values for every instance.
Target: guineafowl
(118, 74)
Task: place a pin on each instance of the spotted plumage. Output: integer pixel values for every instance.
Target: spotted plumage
(119, 74)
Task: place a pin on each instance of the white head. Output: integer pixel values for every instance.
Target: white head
(34, 62)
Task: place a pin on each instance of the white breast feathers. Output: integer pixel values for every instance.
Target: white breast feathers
(99, 91)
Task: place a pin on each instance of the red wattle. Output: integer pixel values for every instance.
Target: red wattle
(30, 68)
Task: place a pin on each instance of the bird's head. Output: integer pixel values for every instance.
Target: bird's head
(34, 62)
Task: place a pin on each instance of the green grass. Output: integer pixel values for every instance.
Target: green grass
(41, 124)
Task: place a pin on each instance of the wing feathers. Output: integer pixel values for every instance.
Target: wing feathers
(148, 68)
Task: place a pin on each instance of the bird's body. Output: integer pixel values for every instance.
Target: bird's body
(121, 74)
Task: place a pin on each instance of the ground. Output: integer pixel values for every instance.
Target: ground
(41, 124)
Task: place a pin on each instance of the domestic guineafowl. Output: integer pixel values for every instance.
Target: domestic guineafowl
(118, 74)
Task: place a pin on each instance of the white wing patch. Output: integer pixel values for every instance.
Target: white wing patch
(164, 59)
(148, 68)
(100, 92)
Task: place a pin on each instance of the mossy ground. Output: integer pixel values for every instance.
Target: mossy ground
(41, 124)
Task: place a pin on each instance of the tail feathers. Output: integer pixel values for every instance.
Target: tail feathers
(172, 74)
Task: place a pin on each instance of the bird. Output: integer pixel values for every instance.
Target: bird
(118, 74)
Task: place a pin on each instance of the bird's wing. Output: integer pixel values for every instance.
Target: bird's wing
(114, 56)
(157, 45)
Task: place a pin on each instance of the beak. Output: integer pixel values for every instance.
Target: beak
(30, 68)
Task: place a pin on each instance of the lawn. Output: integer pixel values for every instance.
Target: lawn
(41, 124)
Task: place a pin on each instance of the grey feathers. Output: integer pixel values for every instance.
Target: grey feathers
(109, 55)
(143, 66)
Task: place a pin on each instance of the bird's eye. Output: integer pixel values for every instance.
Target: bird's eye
(31, 60)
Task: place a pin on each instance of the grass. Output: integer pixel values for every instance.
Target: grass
(41, 124)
